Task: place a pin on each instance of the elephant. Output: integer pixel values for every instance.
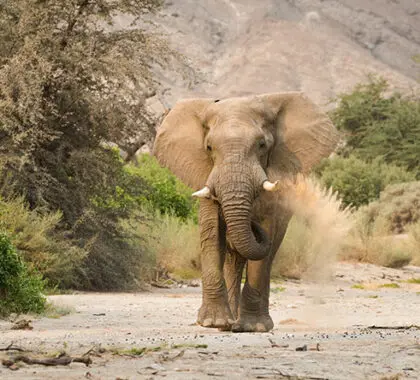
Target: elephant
(235, 153)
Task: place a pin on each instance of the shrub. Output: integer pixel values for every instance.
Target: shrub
(166, 193)
(359, 182)
(370, 241)
(20, 288)
(380, 125)
(70, 83)
(35, 236)
(398, 206)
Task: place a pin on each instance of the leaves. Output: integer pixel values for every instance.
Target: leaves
(72, 85)
(378, 124)
(359, 182)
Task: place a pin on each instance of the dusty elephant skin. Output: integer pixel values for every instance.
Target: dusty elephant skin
(237, 151)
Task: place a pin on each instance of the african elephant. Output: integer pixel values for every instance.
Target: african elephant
(237, 151)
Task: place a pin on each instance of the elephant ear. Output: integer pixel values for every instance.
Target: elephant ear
(304, 134)
(179, 143)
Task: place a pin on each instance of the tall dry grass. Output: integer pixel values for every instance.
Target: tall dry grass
(385, 231)
(173, 247)
(316, 232)
(371, 241)
(414, 243)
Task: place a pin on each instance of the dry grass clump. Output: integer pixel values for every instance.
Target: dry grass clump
(371, 241)
(34, 235)
(174, 246)
(414, 243)
(316, 231)
(398, 206)
(387, 231)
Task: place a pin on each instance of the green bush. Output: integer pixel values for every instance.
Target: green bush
(380, 125)
(20, 288)
(359, 182)
(69, 85)
(165, 193)
(42, 247)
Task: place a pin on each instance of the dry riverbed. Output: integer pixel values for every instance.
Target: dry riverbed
(355, 327)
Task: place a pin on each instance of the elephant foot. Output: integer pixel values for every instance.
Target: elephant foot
(253, 323)
(215, 314)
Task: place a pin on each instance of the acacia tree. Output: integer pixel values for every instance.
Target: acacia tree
(70, 82)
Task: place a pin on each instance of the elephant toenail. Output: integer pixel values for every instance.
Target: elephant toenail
(260, 327)
(208, 322)
(220, 322)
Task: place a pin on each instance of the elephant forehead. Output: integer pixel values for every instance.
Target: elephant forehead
(231, 108)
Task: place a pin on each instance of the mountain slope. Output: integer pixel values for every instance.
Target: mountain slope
(322, 47)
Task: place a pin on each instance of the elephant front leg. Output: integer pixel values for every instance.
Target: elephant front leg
(254, 315)
(214, 311)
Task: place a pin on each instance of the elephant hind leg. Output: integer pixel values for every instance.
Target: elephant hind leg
(233, 269)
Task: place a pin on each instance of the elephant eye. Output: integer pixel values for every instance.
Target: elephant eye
(209, 148)
(262, 144)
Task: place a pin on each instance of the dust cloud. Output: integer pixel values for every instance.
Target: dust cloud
(324, 222)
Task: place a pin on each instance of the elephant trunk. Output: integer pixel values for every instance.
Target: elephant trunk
(236, 197)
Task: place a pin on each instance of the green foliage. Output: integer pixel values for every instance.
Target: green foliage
(359, 182)
(33, 234)
(70, 84)
(56, 108)
(166, 193)
(20, 288)
(378, 125)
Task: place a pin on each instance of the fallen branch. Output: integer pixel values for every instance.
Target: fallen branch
(417, 327)
(62, 360)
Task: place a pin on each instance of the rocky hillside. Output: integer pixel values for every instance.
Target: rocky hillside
(322, 47)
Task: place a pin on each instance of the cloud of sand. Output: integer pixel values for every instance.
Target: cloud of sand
(322, 221)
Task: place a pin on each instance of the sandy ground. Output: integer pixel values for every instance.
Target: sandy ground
(332, 320)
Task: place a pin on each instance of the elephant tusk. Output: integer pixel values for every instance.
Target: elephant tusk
(203, 193)
(270, 186)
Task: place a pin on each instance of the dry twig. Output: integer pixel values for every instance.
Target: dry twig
(415, 327)
(11, 347)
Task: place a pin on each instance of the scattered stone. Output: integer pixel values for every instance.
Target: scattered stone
(23, 324)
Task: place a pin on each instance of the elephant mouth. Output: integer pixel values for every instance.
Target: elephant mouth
(259, 233)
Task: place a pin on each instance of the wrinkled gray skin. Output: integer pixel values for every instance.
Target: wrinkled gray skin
(232, 146)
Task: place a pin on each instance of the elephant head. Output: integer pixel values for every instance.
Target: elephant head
(233, 149)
